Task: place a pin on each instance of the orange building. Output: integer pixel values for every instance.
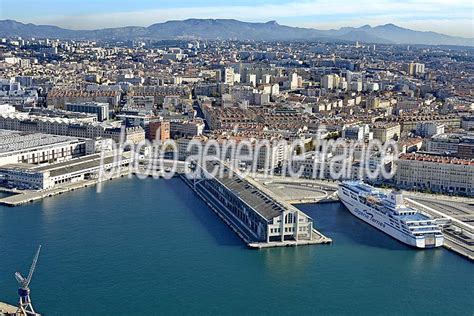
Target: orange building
(158, 130)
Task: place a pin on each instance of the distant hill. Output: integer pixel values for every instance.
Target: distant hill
(232, 29)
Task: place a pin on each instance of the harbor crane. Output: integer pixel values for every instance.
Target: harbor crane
(24, 304)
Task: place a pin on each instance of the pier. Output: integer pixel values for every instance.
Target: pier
(255, 214)
(260, 226)
(21, 197)
(7, 309)
(458, 233)
(91, 176)
(35, 182)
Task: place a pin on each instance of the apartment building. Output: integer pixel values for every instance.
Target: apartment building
(435, 173)
(385, 131)
(97, 108)
(69, 127)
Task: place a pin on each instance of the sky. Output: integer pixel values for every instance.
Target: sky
(452, 17)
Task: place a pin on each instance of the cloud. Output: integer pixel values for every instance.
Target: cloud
(455, 15)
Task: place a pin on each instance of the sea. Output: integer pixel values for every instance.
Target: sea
(153, 247)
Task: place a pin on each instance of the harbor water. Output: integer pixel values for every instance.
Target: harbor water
(152, 246)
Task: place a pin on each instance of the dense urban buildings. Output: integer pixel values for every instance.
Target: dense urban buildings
(228, 164)
(419, 97)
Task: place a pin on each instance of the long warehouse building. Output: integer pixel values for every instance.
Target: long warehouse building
(41, 177)
(258, 217)
(37, 148)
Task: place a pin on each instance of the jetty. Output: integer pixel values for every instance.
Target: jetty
(7, 309)
(253, 212)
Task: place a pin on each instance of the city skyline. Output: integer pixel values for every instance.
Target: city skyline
(255, 157)
(446, 17)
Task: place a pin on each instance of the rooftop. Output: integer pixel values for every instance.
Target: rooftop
(69, 166)
(437, 159)
(248, 191)
(15, 140)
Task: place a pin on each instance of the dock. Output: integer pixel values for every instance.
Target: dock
(318, 239)
(259, 217)
(458, 234)
(29, 196)
(7, 309)
(20, 197)
(300, 191)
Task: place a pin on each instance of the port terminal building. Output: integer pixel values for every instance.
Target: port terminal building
(37, 148)
(42, 177)
(257, 217)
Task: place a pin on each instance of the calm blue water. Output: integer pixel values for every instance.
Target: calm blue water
(147, 246)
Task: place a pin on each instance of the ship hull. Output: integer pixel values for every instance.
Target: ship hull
(383, 224)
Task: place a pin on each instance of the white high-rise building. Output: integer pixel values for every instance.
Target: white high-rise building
(251, 79)
(294, 81)
(330, 81)
(228, 75)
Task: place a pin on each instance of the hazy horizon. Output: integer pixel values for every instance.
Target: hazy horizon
(441, 16)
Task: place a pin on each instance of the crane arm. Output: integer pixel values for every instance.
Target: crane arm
(21, 280)
(33, 266)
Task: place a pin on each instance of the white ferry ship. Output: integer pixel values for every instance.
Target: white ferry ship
(390, 214)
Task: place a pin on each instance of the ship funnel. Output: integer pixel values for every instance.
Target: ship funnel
(397, 198)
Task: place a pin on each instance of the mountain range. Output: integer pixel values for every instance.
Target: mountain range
(214, 29)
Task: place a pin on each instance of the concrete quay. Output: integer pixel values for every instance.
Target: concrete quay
(452, 243)
(458, 211)
(242, 231)
(458, 233)
(30, 196)
(300, 191)
(7, 309)
(20, 197)
(318, 239)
